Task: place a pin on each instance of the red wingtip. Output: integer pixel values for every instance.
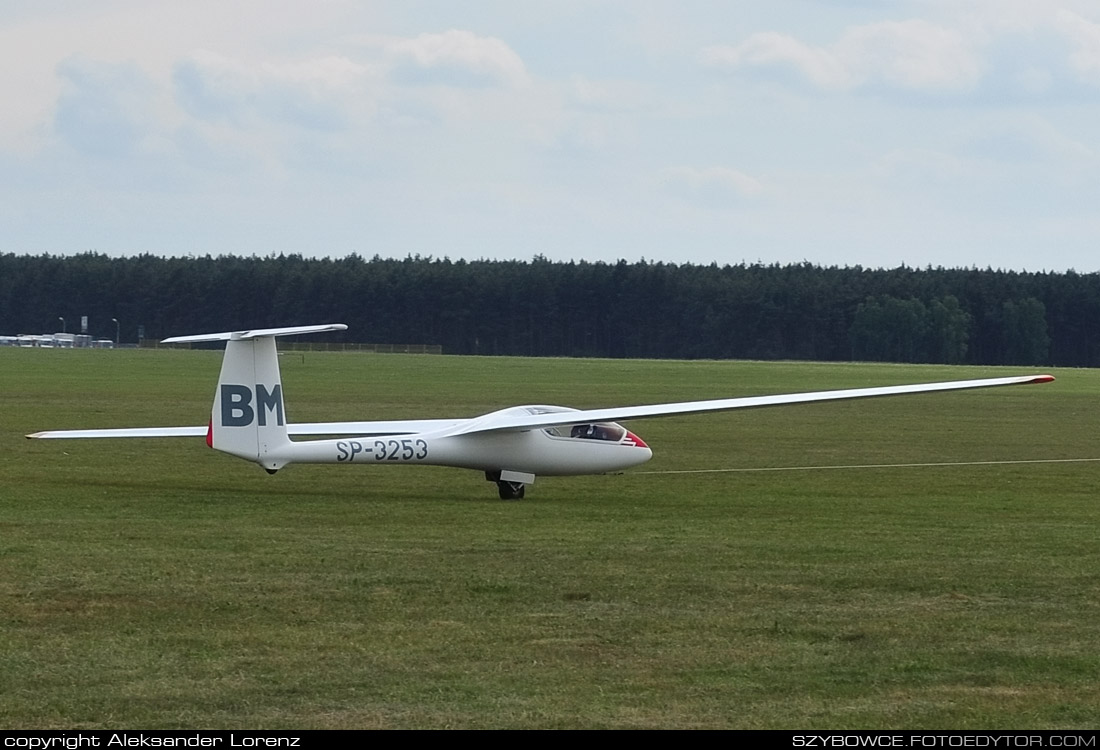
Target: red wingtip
(1043, 379)
(210, 434)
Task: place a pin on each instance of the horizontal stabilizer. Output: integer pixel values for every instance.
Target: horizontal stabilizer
(255, 333)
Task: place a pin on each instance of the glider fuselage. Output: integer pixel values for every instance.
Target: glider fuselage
(538, 452)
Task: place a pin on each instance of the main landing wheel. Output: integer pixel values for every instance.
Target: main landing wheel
(510, 490)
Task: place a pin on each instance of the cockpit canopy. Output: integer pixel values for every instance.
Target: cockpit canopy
(608, 431)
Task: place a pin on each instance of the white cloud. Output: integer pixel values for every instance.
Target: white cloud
(319, 93)
(765, 49)
(1085, 36)
(458, 57)
(913, 55)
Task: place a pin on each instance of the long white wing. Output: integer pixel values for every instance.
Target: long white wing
(137, 432)
(511, 421)
(362, 429)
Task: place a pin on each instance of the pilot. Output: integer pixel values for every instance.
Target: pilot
(587, 431)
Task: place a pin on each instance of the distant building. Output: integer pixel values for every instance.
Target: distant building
(54, 341)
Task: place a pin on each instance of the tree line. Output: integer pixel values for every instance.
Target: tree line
(547, 308)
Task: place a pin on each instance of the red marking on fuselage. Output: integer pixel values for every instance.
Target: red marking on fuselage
(631, 438)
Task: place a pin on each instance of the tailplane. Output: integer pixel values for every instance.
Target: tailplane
(248, 419)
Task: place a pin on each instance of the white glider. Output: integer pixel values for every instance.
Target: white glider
(512, 446)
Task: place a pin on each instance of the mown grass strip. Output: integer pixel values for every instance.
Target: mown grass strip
(158, 584)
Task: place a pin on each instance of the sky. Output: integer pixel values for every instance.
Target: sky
(878, 133)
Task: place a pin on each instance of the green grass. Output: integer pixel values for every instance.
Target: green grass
(159, 584)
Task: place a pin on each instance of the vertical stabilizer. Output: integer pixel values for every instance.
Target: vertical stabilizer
(249, 418)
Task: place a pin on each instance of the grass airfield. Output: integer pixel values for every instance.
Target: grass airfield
(157, 584)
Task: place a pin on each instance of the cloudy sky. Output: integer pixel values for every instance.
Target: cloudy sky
(839, 132)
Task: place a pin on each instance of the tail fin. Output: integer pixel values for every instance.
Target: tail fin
(248, 419)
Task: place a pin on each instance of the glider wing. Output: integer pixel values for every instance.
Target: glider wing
(499, 422)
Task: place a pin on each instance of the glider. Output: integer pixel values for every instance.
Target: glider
(512, 446)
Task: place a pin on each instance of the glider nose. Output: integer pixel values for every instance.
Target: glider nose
(642, 452)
